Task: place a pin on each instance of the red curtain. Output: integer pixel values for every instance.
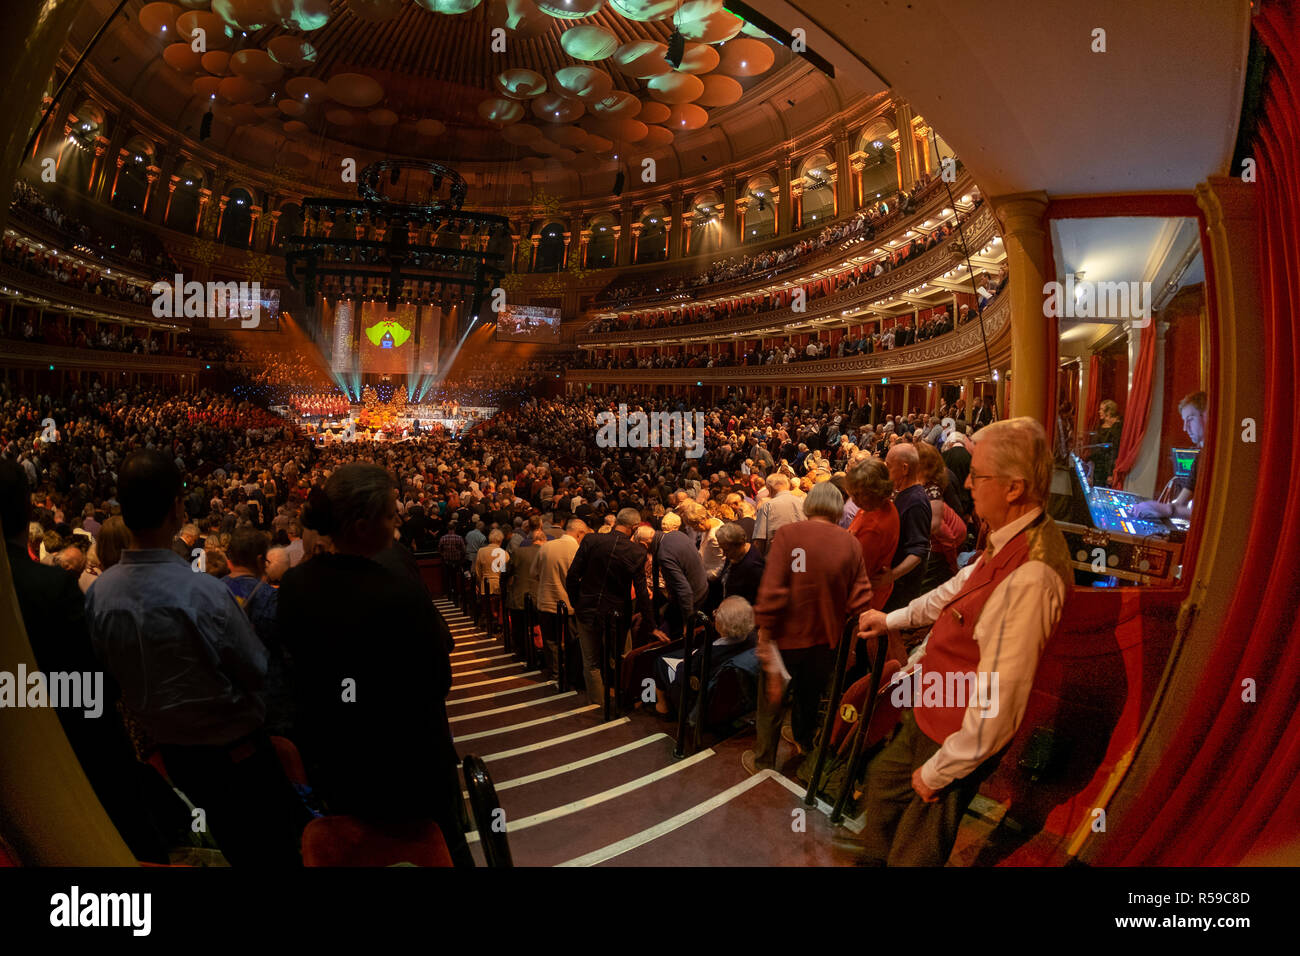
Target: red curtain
(1139, 408)
(1092, 399)
(1225, 789)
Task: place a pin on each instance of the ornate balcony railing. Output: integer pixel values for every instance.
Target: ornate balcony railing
(978, 231)
(59, 293)
(956, 354)
(20, 353)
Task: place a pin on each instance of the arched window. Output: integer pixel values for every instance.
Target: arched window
(131, 185)
(237, 220)
(652, 244)
(602, 247)
(879, 176)
(550, 248)
(706, 227)
(183, 207)
(760, 216)
(289, 223)
(818, 199)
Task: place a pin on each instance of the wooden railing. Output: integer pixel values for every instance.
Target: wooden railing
(20, 353)
(58, 292)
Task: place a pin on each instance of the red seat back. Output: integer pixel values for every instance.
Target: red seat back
(351, 841)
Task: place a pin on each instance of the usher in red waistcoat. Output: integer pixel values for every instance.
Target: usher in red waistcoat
(952, 648)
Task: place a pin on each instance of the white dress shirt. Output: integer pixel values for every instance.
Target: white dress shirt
(1013, 626)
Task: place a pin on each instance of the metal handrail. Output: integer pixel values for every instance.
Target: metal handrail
(688, 636)
(847, 636)
(611, 660)
(561, 649)
(860, 734)
(489, 818)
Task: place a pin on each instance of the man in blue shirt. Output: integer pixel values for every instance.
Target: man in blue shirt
(190, 667)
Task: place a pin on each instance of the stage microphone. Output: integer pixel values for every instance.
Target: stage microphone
(618, 183)
(676, 48)
(205, 126)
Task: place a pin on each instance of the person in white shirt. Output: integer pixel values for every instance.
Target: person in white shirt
(989, 624)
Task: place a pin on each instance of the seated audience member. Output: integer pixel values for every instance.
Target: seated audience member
(371, 667)
(734, 622)
(191, 667)
(992, 619)
(814, 579)
(744, 568)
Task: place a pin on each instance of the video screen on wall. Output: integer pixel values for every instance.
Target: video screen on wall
(247, 307)
(528, 323)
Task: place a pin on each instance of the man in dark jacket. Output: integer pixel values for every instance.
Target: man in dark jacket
(605, 571)
(685, 583)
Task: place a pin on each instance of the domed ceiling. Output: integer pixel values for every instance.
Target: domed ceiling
(539, 83)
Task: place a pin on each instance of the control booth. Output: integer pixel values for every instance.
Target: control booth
(1108, 545)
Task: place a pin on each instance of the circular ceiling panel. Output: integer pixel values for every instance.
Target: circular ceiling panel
(295, 129)
(531, 164)
(642, 59)
(240, 89)
(240, 114)
(570, 136)
(564, 155)
(291, 52)
(645, 10)
(383, 117)
(570, 9)
(699, 58)
(618, 104)
(375, 11)
(341, 117)
(687, 116)
(291, 107)
(304, 15)
(706, 21)
(583, 82)
(256, 65)
(520, 17)
(207, 86)
(746, 57)
(430, 127)
(245, 14)
(499, 110)
(676, 88)
(720, 91)
(157, 18)
(657, 136)
(449, 7)
(216, 62)
(521, 134)
(354, 89)
(521, 84)
(306, 87)
(589, 43)
(268, 112)
(216, 35)
(653, 112)
(598, 144)
(183, 59)
(555, 108)
(628, 131)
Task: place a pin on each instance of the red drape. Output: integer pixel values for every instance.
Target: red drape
(1225, 789)
(1139, 408)
(1092, 399)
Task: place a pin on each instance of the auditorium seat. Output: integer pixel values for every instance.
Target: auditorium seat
(348, 841)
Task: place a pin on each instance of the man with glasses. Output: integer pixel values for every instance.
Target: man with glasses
(988, 625)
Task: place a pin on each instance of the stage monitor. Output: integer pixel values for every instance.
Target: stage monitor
(1184, 461)
(528, 323)
(369, 339)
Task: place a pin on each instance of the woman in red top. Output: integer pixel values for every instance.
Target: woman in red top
(875, 526)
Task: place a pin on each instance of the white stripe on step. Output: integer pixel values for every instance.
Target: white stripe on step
(502, 693)
(479, 660)
(577, 764)
(526, 724)
(494, 680)
(856, 824)
(553, 741)
(471, 644)
(502, 710)
(586, 803)
(669, 825)
(488, 670)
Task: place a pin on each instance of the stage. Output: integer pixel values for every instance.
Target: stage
(386, 423)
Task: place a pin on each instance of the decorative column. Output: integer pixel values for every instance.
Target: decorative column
(858, 163)
(272, 232)
(843, 173)
(254, 214)
(742, 207)
(205, 197)
(728, 213)
(686, 230)
(624, 234)
(117, 176)
(1001, 398)
(585, 239)
(784, 198)
(636, 244)
(906, 142)
(796, 200)
(1021, 216)
(97, 165)
(673, 223)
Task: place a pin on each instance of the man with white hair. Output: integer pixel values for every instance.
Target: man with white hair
(988, 626)
(781, 508)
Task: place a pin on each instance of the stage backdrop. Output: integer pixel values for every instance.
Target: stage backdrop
(386, 342)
